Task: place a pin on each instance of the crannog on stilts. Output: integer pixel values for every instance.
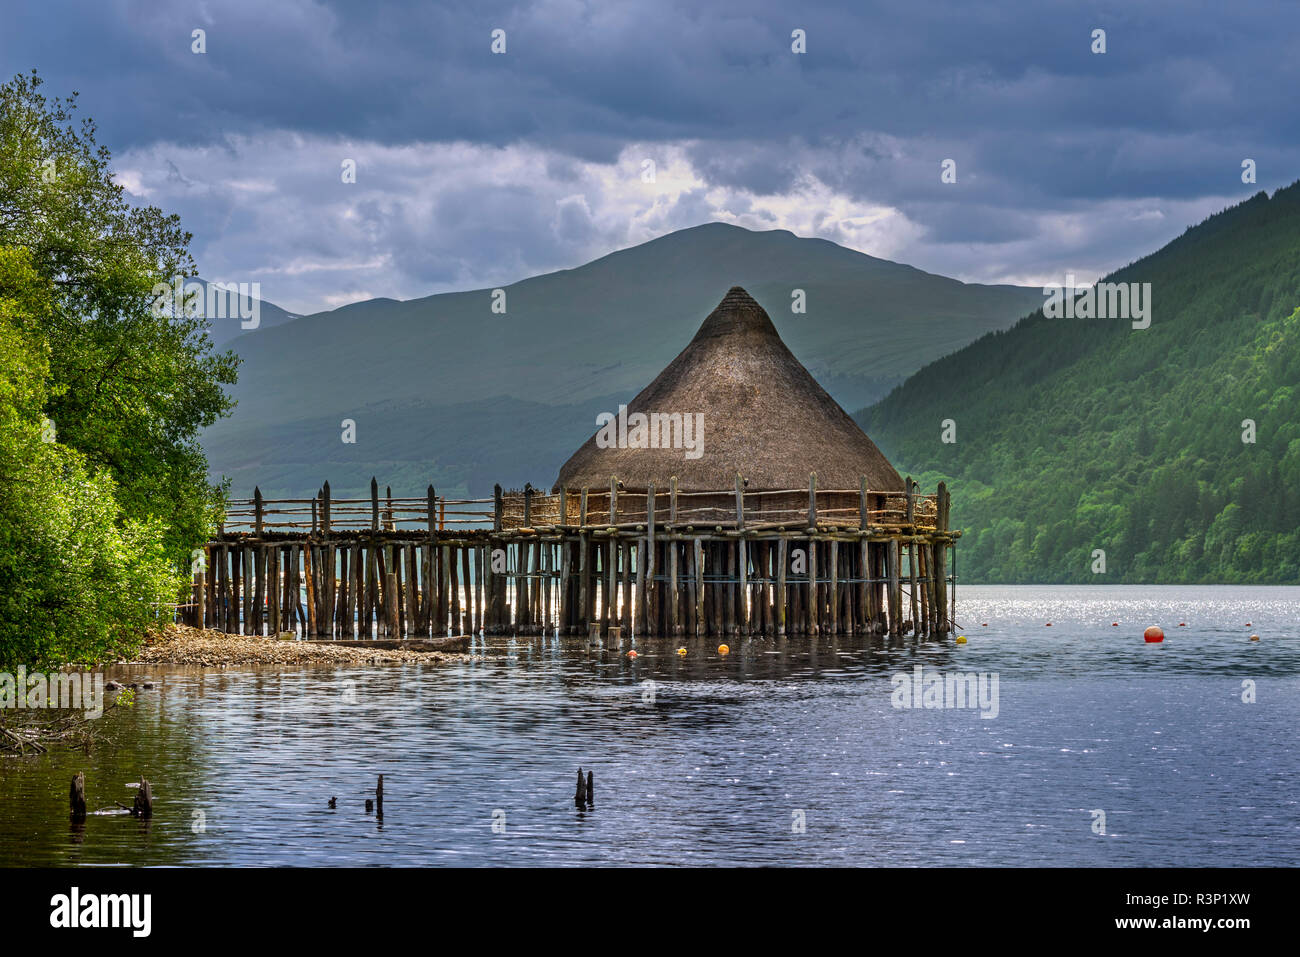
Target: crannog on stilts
(731, 497)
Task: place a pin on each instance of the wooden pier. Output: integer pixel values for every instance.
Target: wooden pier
(719, 564)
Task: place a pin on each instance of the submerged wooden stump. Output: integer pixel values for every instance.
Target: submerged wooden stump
(77, 796)
(143, 806)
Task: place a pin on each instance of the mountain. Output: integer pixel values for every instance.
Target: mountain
(230, 310)
(444, 390)
(1076, 435)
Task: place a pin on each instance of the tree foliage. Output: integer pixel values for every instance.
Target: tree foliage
(130, 389)
(79, 581)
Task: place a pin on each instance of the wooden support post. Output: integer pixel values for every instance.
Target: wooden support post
(250, 583)
(895, 593)
(642, 619)
(545, 565)
(453, 586)
(674, 596)
(310, 578)
(584, 578)
(780, 587)
(864, 572)
(717, 593)
(609, 612)
(200, 594)
(727, 592)
(626, 619)
(470, 626)
(746, 611)
(481, 599)
(374, 504)
(742, 625)
(273, 590)
(700, 622)
(651, 592)
(382, 590)
(566, 603)
(945, 616)
(236, 593)
(835, 587)
(390, 605)
(411, 592)
(535, 589)
(923, 567)
(814, 605)
(357, 601)
(913, 598)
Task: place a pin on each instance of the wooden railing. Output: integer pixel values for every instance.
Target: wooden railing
(610, 506)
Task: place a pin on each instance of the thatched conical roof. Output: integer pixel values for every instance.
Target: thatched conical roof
(764, 416)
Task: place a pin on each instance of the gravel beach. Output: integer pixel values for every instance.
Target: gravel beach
(183, 645)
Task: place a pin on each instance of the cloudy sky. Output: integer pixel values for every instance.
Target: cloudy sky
(476, 168)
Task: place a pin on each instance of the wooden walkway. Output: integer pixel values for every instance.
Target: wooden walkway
(720, 564)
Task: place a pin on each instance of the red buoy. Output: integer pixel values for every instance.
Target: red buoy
(1114, 624)
(1154, 633)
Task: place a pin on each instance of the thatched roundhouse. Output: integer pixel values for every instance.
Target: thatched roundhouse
(762, 414)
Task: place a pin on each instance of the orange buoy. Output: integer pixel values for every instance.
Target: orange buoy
(723, 650)
(632, 653)
(1154, 633)
(1254, 637)
(1048, 625)
(1247, 624)
(984, 624)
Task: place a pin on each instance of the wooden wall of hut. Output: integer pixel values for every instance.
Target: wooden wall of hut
(716, 564)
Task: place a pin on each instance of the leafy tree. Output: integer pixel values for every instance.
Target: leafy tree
(79, 581)
(130, 388)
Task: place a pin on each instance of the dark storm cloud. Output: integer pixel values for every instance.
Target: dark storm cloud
(1042, 129)
(418, 71)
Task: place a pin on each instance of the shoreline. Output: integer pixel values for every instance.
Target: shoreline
(205, 648)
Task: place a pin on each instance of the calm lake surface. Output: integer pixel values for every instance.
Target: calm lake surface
(722, 758)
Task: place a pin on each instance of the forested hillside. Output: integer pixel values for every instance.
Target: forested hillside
(1082, 434)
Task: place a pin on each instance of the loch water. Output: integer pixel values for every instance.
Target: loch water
(790, 752)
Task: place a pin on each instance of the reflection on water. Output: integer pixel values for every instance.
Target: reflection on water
(710, 759)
